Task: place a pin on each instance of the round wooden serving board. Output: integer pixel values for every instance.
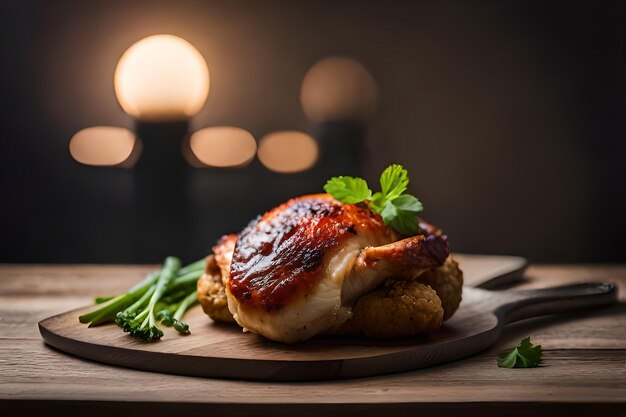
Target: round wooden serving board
(224, 351)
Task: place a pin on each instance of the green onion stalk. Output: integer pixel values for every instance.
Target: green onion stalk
(162, 297)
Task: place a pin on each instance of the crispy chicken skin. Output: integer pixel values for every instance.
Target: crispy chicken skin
(313, 265)
(280, 256)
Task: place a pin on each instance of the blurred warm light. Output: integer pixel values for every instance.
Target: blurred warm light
(288, 151)
(162, 77)
(105, 146)
(223, 146)
(188, 154)
(134, 155)
(338, 89)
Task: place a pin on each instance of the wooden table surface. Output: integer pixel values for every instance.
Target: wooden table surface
(584, 363)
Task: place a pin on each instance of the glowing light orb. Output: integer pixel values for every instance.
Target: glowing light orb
(162, 77)
(338, 89)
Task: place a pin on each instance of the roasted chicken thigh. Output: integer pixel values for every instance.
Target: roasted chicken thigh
(415, 299)
(298, 270)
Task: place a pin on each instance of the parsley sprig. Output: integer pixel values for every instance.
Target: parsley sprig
(526, 355)
(398, 209)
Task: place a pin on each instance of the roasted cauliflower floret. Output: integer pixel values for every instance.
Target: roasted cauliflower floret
(403, 308)
(447, 281)
(397, 308)
(211, 293)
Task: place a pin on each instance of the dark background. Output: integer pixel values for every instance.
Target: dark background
(509, 116)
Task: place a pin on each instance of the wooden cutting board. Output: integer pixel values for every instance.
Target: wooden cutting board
(224, 351)
(490, 271)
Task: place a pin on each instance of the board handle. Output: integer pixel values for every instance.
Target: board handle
(526, 304)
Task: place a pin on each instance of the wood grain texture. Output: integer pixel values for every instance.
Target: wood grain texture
(584, 369)
(488, 271)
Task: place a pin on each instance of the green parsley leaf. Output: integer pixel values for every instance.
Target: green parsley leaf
(398, 210)
(394, 181)
(389, 212)
(526, 355)
(349, 190)
(407, 202)
(377, 203)
(402, 220)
